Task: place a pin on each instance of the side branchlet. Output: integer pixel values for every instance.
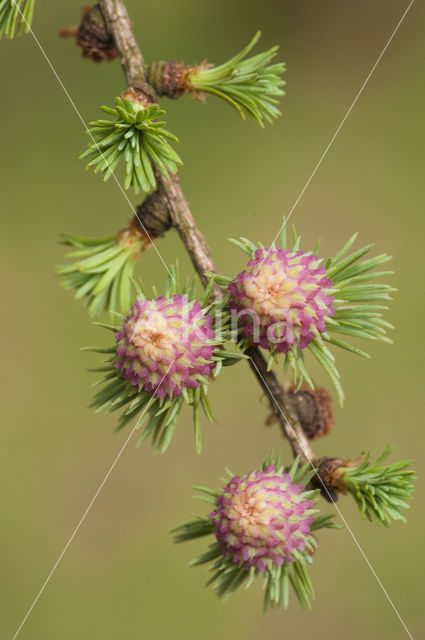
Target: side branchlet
(381, 491)
(137, 136)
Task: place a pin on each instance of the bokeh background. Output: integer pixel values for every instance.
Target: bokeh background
(122, 577)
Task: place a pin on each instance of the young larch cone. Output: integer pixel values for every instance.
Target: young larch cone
(282, 299)
(261, 518)
(166, 344)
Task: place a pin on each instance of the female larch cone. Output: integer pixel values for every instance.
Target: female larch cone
(282, 299)
(166, 344)
(261, 518)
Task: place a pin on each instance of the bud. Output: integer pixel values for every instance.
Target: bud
(328, 478)
(92, 35)
(168, 78)
(314, 410)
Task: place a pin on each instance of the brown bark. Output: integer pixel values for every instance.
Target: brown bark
(170, 198)
(119, 25)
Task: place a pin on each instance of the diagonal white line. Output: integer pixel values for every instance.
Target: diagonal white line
(341, 124)
(357, 543)
(47, 580)
(259, 267)
(74, 106)
(259, 373)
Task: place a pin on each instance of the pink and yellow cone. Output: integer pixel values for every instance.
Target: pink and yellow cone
(261, 518)
(282, 299)
(166, 344)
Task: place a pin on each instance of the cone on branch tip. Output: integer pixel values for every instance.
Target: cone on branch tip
(287, 302)
(167, 351)
(263, 524)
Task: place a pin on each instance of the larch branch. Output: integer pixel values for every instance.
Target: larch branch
(174, 202)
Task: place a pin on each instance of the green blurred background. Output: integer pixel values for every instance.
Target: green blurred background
(122, 577)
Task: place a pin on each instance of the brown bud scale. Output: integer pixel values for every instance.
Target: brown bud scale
(314, 410)
(92, 36)
(173, 79)
(153, 218)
